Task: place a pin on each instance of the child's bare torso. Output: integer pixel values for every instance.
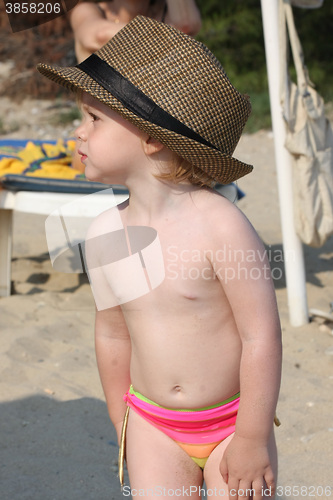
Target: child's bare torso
(185, 345)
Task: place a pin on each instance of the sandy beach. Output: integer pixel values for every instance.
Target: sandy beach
(57, 442)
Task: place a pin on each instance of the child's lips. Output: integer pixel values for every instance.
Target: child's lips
(83, 156)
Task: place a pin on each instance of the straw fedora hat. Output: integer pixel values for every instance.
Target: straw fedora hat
(170, 86)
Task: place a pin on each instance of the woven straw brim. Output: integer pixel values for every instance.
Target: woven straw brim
(219, 166)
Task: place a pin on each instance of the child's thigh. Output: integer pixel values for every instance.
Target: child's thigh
(216, 486)
(157, 465)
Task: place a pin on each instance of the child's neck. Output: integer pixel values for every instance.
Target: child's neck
(158, 199)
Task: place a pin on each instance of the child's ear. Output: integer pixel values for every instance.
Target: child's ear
(151, 145)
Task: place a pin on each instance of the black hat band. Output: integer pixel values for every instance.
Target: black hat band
(134, 99)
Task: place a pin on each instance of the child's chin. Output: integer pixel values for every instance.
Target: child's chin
(92, 176)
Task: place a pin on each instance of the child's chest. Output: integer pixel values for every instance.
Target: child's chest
(188, 260)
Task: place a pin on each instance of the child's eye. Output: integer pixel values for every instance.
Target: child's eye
(94, 117)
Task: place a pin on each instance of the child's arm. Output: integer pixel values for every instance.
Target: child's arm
(246, 280)
(112, 340)
(113, 351)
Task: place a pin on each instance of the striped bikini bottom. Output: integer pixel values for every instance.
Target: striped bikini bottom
(196, 431)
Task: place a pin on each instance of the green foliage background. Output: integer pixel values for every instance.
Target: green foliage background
(233, 30)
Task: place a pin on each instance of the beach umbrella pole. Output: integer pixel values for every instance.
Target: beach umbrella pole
(292, 246)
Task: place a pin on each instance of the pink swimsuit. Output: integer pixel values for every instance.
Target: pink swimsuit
(198, 432)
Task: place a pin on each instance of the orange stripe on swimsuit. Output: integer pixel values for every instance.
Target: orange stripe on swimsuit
(198, 432)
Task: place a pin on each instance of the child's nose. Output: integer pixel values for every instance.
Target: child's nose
(79, 133)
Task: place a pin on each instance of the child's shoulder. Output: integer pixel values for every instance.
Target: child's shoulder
(218, 207)
(108, 221)
(223, 218)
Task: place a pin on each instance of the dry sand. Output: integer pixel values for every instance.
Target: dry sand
(56, 439)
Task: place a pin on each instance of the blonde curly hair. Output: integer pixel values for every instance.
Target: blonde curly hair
(182, 171)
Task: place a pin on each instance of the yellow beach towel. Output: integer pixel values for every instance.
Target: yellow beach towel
(43, 160)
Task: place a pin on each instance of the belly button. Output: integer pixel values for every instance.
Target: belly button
(177, 388)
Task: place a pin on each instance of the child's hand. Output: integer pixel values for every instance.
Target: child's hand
(247, 470)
